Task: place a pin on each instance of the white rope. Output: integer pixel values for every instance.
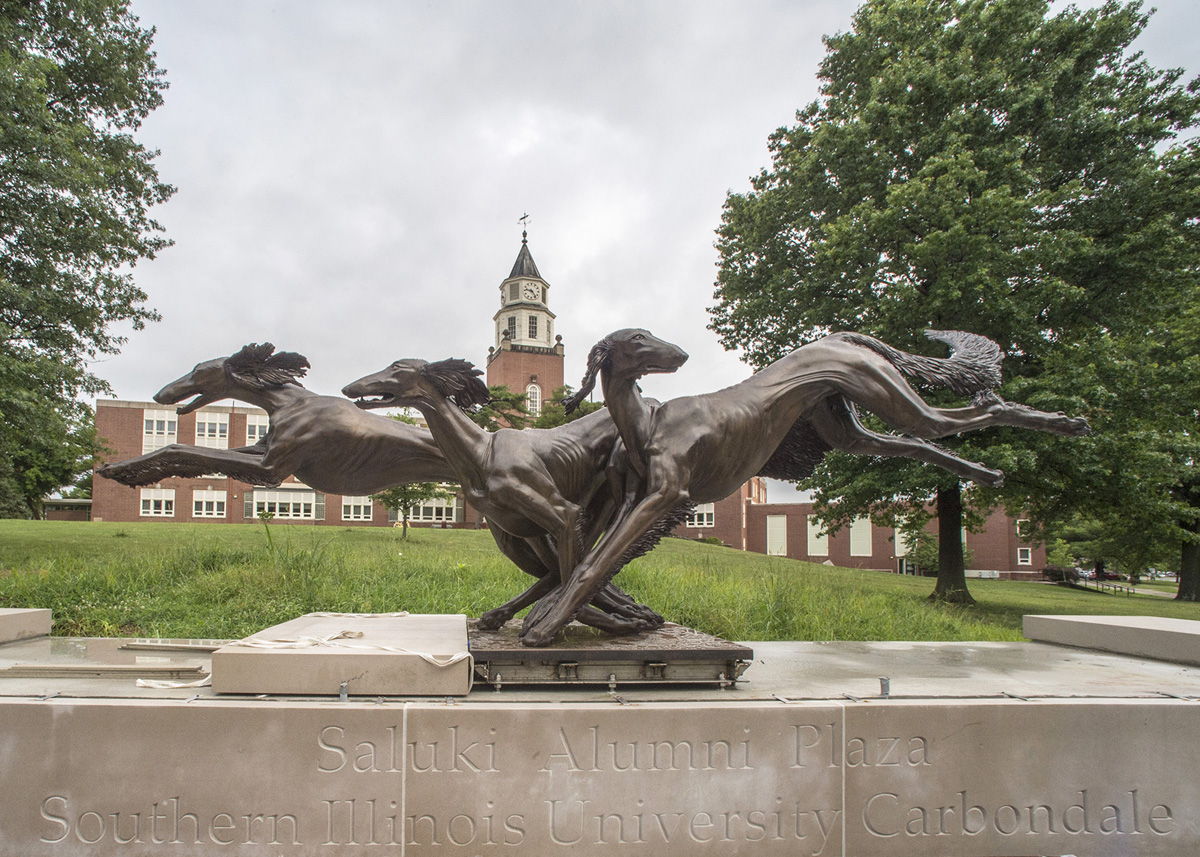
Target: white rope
(172, 685)
(396, 615)
(331, 640)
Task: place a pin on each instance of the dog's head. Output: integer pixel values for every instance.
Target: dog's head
(255, 367)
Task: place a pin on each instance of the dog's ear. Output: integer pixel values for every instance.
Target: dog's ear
(286, 367)
(598, 360)
(458, 381)
(258, 366)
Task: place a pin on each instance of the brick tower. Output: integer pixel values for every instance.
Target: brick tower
(527, 356)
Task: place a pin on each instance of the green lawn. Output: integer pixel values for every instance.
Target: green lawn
(196, 580)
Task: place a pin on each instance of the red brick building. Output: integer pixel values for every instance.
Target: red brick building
(130, 429)
(789, 529)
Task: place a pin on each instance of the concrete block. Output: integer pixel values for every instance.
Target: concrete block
(373, 654)
(1176, 640)
(21, 623)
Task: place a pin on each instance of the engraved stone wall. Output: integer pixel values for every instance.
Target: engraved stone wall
(892, 777)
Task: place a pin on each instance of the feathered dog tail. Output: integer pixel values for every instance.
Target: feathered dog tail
(972, 369)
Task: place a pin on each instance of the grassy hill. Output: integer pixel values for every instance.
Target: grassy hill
(196, 580)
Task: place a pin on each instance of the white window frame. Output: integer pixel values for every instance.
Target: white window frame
(212, 430)
(1024, 556)
(358, 509)
(257, 426)
(158, 503)
(512, 328)
(704, 515)
(533, 400)
(436, 511)
(861, 537)
(818, 542)
(533, 326)
(159, 429)
(209, 503)
(289, 505)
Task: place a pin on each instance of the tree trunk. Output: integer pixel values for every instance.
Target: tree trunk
(952, 579)
(1189, 568)
(404, 526)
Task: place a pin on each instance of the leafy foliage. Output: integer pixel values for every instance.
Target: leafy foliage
(554, 414)
(76, 80)
(983, 165)
(505, 410)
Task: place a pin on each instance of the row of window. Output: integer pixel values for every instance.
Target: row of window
(290, 505)
(532, 326)
(160, 428)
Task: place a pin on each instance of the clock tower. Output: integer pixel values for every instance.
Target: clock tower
(527, 356)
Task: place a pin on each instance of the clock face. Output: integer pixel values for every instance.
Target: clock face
(532, 292)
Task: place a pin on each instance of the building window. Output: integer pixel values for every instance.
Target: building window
(533, 334)
(704, 515)
(1024, 528)
(158, 430)
(158, 502)
(208, 504)
(357, 509)
(438, 511)
(212, 430)
(860, 537)
(257, 426)
(1024, 556)
(512, 327)
(290, 505)
(514, 291)
(549, 330)
(818, 542)
(533, 400)
(545, 294)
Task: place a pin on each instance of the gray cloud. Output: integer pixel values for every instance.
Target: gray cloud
(350, 175)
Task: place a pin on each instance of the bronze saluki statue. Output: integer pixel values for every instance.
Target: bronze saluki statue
(324, 441)
(779, 422)
(541, 490)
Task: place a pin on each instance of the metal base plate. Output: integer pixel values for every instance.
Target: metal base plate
(672, 654)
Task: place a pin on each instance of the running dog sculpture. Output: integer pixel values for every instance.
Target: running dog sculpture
(324, 440)
(539, 488)
(779, 422)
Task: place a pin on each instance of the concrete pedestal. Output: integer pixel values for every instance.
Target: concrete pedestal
(20, 623)
(981, 749)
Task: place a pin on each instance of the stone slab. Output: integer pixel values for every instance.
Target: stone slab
(19, 623)
(1163, 639)
(970, 778)
(359, 654)
(782, 670)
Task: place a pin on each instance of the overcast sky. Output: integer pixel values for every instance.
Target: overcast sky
(351, 174)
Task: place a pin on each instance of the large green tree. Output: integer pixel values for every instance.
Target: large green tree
(979, 165)
(76, 80)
